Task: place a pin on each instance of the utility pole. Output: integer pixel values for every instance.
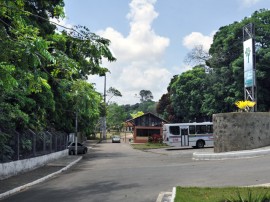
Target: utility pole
(104, 118)
(76, 133)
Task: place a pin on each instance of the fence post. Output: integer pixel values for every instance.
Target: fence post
(56, 149)
(50, 141)
(34, 142)
(44, 143)
(18, 145)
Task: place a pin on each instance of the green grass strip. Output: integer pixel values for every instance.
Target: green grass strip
(226, 194)
(149, 146)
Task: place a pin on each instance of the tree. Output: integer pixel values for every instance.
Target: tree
(227, 53)
(164, 105)
(85, 101)
(197, 56)
(113, 92)
(195, 94)
(116, 116)
(41, 63)
(188, 95)
(145, 95)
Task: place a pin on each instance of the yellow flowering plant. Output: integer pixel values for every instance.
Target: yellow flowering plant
(245, 105)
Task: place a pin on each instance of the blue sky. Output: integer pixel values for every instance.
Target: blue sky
(150, 38)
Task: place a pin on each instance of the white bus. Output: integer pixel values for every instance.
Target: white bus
(188, 134)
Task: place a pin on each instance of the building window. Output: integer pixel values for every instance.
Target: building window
(147, 132)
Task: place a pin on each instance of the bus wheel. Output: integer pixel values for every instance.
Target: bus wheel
(200, 144)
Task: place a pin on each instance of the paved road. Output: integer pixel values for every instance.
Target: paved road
(115, 172)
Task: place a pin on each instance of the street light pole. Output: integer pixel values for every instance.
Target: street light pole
(104, 118)
(76, 133)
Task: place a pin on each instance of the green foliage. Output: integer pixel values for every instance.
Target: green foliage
(5, 151)
(118, 114)
(43, 74)
(149, 145)
(7, 81)
(26, 144)
(137, 114)
(145, 95)
(115, 116)
(196, 95)
(113, 92)
(226, 194)
(187, 94)
(250, 197)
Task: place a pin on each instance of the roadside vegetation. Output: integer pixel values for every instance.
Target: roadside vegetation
(226, 194)
(44, 83)
(146, 146)
(128, 138)
(215, 82)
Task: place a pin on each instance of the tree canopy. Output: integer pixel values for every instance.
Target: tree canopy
(197, 94)
(43, 72)
(146, 95)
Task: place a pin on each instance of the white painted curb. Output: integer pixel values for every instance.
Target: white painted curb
(18, 189)
(173, 194)
(231, 155)
(160, 196)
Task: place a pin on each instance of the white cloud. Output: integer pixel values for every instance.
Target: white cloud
(197, 38)
(139, 64)
(248, 3)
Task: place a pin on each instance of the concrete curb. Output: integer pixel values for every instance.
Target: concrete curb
(18, 189)
(162, 195)
(260, 185)
(231, 155)
(173, 194)
(167, 196)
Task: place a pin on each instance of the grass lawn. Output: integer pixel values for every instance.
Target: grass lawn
(149, 146)
(227, 194)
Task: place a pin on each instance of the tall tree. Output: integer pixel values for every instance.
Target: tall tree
(197, 56)
(40, 62)
(198, 95)
(116, 116)
(188, 95)
(145, 95)
(113, 92)
(164, 105)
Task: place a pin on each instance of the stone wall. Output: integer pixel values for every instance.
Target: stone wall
(241, 131)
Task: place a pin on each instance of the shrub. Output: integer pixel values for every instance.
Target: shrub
(155, 138)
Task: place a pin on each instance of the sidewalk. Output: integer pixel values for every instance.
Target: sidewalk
(22, 181)
(25, 180)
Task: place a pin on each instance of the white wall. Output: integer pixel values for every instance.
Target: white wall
(16, 167)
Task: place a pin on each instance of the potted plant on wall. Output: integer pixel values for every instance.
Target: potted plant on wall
(245, 106)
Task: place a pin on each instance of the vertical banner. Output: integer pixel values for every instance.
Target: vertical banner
(249, 79)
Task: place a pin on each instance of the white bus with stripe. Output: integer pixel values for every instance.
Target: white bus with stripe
(188, 134)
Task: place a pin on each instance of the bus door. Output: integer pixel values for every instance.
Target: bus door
(184, 136)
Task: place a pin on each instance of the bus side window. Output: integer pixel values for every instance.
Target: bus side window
(200, 129)
(175, 130)
(209, 129)
(191, 129)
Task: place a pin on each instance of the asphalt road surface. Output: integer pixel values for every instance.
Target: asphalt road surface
(113, 172)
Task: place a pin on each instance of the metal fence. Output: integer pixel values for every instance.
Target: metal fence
(30, 144)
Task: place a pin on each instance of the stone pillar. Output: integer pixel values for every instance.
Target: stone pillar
(241, 131)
